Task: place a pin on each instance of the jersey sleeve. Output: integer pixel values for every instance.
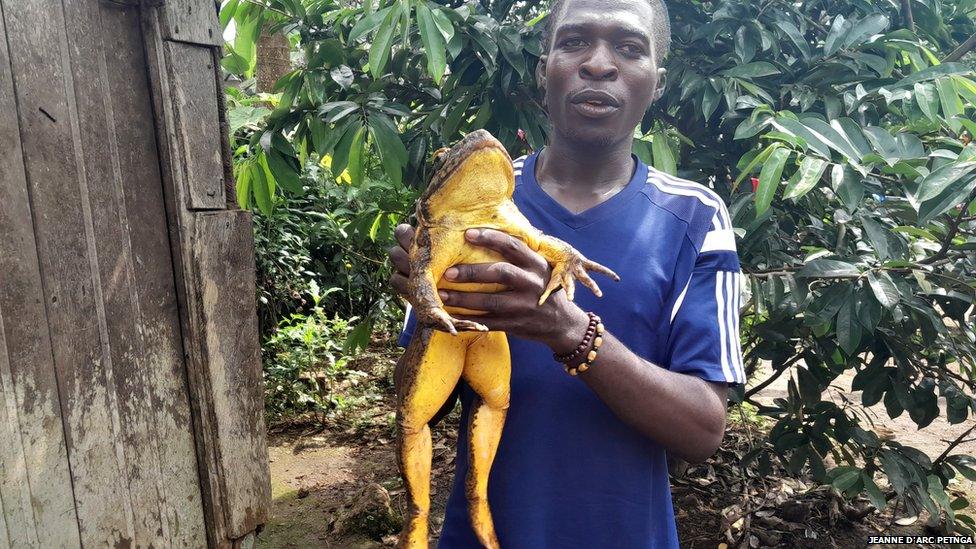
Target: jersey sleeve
(704, 337)
(409, 325)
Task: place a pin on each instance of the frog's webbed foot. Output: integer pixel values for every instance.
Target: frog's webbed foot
(438, 317)
(573, 266)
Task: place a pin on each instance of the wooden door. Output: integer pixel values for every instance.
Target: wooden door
(96, 432)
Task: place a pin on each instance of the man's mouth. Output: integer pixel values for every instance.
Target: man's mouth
(594, 103)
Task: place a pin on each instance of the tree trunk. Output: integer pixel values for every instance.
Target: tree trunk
(273, 60)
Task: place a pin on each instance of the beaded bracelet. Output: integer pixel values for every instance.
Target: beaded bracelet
(583, 346)
(591, 356)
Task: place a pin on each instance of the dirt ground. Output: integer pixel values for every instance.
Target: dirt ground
(319, 472)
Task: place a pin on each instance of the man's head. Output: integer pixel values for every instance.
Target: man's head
(602, 66)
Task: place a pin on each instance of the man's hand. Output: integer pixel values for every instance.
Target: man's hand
(558, 323)
(401, 258)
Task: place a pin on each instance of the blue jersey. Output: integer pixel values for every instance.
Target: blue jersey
(568, 472)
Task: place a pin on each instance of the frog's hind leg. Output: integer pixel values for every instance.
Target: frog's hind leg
(487, 369)
(434, 362)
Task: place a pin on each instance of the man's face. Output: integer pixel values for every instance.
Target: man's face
(600, 74)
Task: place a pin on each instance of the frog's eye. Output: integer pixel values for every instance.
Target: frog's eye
(439, 156)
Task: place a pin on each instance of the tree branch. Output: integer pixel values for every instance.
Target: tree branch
(953, 227)
(906, 7)
(938, 461)
(962, 50)
(776, 374)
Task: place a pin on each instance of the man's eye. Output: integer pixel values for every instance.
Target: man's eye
(573, 42)
(631, 49)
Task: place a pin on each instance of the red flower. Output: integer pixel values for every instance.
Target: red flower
(755, 184)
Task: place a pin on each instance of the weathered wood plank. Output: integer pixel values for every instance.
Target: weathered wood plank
(16, 516)
(194, 89)
(193, 21)
(224, 257)
(147, 385)
(35, 484)
(68, 267)
(141, 190)
(180, 224)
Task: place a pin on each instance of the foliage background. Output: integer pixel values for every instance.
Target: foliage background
(839, 132)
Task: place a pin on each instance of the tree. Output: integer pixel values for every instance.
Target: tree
(838, 131)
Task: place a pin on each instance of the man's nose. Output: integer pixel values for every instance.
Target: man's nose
(600, 65)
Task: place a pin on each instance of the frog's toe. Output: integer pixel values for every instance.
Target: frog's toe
(596, 267)
(469, 326)
(585, 280)
(554, 283)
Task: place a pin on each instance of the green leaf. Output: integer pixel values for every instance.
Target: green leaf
(444, 24)
(840, 28)
(877, 235)
(227, 12)
(379, 51)
(756, 161)
(884, 289)
(340, 155)
(356, 151)
(393, 154)
(928, 101)
(875, 495)
(770, 178)
(936, 182)
(846, 479)
(866, 28)
(848, 329)
(949, 198)
(848, 185)
(828, 268)
(811, 169)
(795, 127)
(285, 173)
(262, 186)
(931, 73)
(757, 69)
(434, 44)
(795, 36)
(663, 156)
(244, 188)
(368, 23)
(951, 105)
(375, 227)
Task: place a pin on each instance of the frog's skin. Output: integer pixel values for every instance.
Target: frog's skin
(472, 188)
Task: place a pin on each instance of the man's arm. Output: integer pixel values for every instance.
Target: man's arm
(681, 412)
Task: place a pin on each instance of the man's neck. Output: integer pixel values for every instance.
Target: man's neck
(580, 178)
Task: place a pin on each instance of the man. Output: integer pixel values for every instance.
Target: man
(582, 461)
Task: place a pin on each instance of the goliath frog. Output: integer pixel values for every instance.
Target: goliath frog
(471, 188)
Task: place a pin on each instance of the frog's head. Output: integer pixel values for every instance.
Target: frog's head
(475, 172)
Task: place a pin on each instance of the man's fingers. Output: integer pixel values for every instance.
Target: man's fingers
(400, 259)
(399, 283)
(490, 303)
(506, 274)
(404, 235)
(511, 248)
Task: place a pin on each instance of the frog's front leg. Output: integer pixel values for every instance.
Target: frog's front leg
(432, 252)
(568, 264)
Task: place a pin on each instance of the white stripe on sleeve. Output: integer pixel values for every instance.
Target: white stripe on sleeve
(737, 342)
(724, 342)
(681, 298)
(730, 323)
(719, 240)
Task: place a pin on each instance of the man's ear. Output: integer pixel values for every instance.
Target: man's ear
(662, 82)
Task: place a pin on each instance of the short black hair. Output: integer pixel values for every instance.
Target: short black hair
(660, 30)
